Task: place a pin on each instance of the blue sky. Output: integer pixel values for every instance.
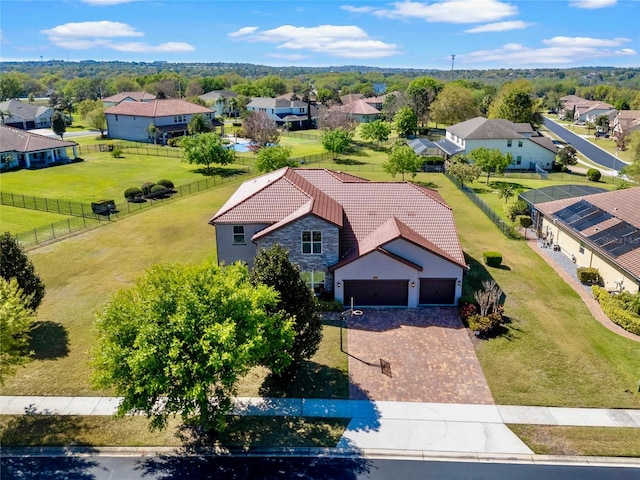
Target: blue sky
(482, 34)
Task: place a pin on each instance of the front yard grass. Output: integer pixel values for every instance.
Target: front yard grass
(96, 431)
(589, 441)
(17, 220)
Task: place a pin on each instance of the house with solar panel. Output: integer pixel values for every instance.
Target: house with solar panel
(380, 243)
(530, 149)
(601, 230)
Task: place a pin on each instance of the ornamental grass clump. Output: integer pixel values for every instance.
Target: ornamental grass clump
(483, 315)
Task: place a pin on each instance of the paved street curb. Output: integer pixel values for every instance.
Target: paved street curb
(143, 452)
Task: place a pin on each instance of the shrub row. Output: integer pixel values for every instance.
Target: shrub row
(613, 309)
(149, 190)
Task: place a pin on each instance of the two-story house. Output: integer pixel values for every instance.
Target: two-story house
(219, 102)
(527, 146)
(294, 113)
(155, 121)
(127, 97)
(380, 243)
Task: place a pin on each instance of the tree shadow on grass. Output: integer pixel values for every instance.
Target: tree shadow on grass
(348, 161)
(37, 429)
(219, 171)
(49, 340)
(312, 380)
(432, 185)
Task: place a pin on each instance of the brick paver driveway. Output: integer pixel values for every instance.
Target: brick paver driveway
(429, 351)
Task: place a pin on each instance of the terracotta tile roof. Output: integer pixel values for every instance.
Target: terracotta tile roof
(135, 96)
(365, 207)
(622, 220)
(17, 140)
(157, 108)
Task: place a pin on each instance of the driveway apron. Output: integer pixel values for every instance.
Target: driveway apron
(413, 355)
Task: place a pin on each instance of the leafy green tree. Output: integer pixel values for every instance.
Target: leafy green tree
(205, 149)
(420, 93)
(566, 156)
(464, 172)
(178, 341)
(454, 104)
(336, 141)
(58, 124)
(377, 131)
(402, 159)
(261, 129)
(10, 86)
(405, 121)
(273, 158)
(97, 119)
(490, 160)
(198, 124)
(273, 268)
(515, 103)
(14, 263)
(16, 319)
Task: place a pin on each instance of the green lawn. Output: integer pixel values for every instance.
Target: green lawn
(17, 220)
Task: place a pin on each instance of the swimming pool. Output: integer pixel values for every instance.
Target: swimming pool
(240, 146)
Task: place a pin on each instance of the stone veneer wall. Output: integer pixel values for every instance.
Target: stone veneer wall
(290, 237)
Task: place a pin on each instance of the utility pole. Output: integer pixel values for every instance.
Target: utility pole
(453, 57)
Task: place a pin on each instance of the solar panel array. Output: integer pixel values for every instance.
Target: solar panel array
(615, 240)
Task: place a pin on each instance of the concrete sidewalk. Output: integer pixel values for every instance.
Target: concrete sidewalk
(400, 426)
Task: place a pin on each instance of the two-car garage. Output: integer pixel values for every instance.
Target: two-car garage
(433, 291)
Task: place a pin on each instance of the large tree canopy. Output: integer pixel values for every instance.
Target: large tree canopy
(273, 268)
(205, 149)
(454, 104)
(179, 340)
(378, 131)
(336, 141)
(405, 121)
(420, 93)
(515, 102)
(261, 129)
(273, 158)
(14, 263)
(402, 159)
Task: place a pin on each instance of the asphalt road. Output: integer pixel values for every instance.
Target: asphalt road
(194, 467)
(585, 147)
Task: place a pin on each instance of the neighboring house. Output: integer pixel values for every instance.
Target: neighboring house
(155, 121)
(590, 109)
(25, 115)
(380, 243)
(361, 111)
(527, 146)
(624, 123)
(127, 97)
(20, 148)
(218, 100)
(600, 231)
(351, 97)
(592, 117)
(293, 113)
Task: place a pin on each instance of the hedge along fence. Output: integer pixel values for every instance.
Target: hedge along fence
(87, 219)
(627, 320)
(506, 228)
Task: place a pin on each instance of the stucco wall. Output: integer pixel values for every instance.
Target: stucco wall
(529, 152)
(230, 253)
(127, 127)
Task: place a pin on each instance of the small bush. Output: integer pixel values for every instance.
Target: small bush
(116, 152)
(166, 183)
(519, 207)
(157, 189)
(588, 275)
(484, 325)
(614, 310)
(594, 174)
(524, 221)
(492, 259)
(146, 187)
(329, 305)
(174, 142)
(133, 193)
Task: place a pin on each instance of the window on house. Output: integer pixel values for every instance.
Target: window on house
(315, 280)
(509, 143)
(581, 249)
(312, 242)
(519, 143)
(116, 118)
(519, 160)
(238, 235)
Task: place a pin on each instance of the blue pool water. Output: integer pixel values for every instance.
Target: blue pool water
(241, 146)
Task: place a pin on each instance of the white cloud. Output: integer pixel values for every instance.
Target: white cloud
(500, 27)
(341, 41)
(447, 11)
(592, 4)
(102, 29)
(560, 51)
(102, 3)
(86, 35)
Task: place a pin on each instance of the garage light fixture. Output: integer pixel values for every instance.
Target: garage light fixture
(339, 285)
(413, 284)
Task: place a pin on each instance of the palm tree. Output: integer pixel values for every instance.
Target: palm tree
(506, 191)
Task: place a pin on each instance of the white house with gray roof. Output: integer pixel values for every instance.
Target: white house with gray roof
(283, 111)
(20, 148)
(527, 146)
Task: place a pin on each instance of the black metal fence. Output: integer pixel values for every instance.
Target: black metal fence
(131, 148)
(505, 227)
(82, 216)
